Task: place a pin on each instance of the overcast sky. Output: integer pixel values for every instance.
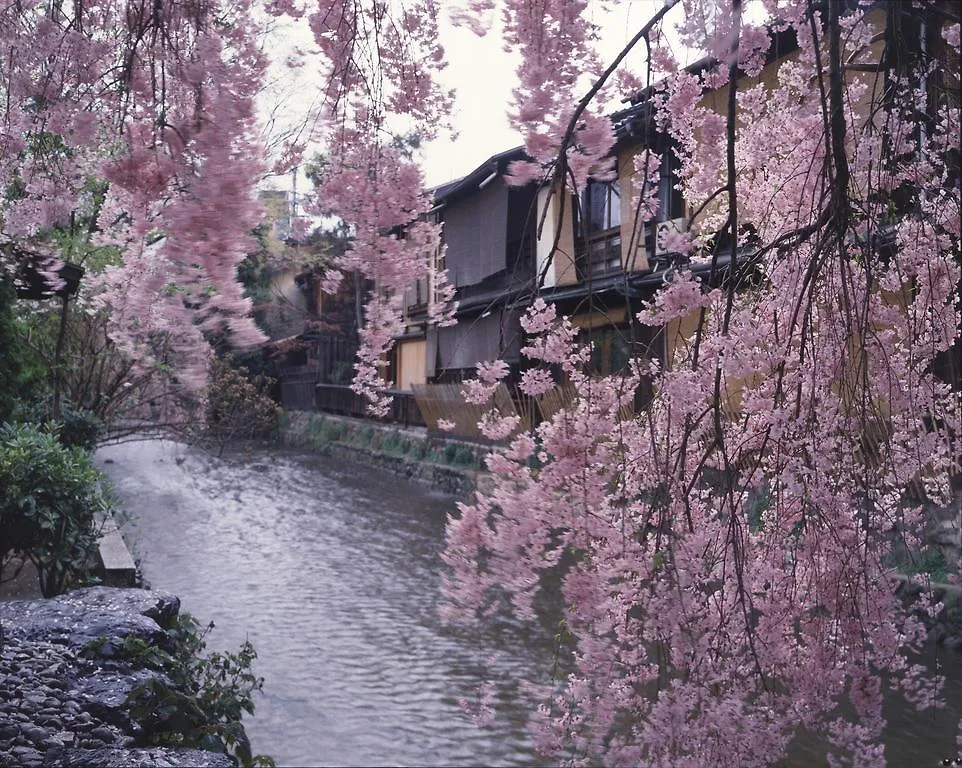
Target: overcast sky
(482, 75)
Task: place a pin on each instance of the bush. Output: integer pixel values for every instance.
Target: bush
(199, 699)
(238, 406)
(76, 427)
(465, 457)
(49, 500)
(332, 432)
(929, 561)
(79, 428)
(450, 452)
(392, 443)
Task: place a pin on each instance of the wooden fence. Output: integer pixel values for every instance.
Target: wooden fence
(297, 390)
(339, 398)
(427, 404)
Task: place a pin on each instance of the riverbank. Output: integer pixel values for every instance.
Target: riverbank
(64, 689)
(447, 465)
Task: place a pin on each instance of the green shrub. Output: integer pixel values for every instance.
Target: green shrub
(76, 427)
(392, 443)
(464, 457)
(314, 425)
(49, 500)
(930, 561)
(200, 698)
(79, 428)
(239, 406)
(332, 432)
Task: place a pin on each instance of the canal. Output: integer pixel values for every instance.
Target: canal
(332, 571)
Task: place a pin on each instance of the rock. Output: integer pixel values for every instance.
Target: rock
(109, 688)
(152, 757)
(66, 737)
(59, 706)
(104, 733)
(83, 616)
(35, 733)
(27, 756)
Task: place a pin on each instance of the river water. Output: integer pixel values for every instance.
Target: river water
(332, 571)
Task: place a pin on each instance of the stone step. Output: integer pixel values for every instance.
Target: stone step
(116, 563)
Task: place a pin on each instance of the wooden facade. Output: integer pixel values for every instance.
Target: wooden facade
(586, 254)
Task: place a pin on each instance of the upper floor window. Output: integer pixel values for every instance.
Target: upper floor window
(598, 229)
(671, 205)
(600, 207)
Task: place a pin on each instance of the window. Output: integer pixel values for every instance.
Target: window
(598, 229)
(609, 350)
(671, 203)
(613, 347)
(601, 206)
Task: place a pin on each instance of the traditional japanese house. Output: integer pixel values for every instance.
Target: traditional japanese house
(488, 238)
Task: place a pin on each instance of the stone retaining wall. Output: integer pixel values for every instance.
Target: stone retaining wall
(60, 706)
(456, 481)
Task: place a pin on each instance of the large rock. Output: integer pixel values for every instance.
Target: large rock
(84, 615)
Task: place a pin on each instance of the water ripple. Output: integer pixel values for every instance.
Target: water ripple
(333, 573)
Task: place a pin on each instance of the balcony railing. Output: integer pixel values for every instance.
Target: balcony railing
(601, 255)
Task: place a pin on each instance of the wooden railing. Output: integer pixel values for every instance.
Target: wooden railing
(428, 404)
(297, 391)
(339, 398)
(600, 255)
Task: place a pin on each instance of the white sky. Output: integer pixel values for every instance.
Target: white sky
(482, 75)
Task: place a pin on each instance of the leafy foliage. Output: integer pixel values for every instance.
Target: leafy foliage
(49, 503)
(22, 378)
(238, 406)
(77, 427)
(199, 698)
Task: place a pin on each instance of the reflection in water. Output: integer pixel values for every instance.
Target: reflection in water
(332, 571)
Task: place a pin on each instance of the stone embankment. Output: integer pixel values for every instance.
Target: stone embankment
(61, 705)
(367, 442)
